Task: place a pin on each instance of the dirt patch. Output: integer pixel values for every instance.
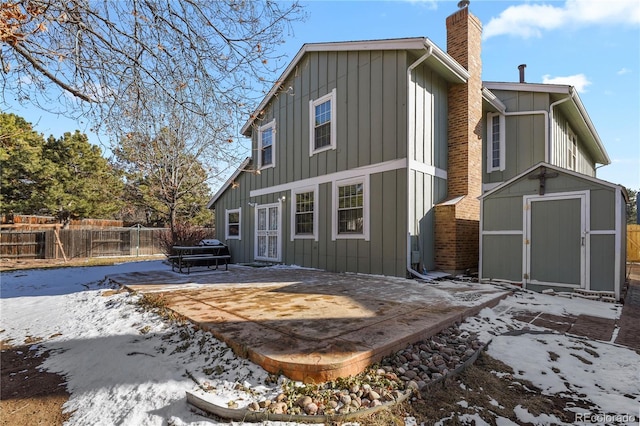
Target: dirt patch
(15, 265)
(29, 395)
(486, 389)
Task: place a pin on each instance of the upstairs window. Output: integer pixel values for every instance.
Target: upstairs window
(495, 142)
(266, 149)
(322, 118)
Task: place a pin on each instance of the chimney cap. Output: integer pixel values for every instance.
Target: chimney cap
(463, 3)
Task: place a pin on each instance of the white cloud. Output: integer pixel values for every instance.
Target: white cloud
(430, 4)
(623, 71)
(530, 20)
(579, 81)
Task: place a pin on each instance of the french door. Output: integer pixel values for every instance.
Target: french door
(268, 237)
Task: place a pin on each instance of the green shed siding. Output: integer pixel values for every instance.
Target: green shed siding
(602, 269)
(503, 213)
(554, 220)
(505, 259)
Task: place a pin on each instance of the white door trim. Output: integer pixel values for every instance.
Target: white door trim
(585, 248)
(277, 233)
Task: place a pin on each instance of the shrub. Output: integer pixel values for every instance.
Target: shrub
(183, 234)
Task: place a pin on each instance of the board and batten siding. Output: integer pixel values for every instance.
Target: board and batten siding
(428, 121)
(502, 232)
(370, 89)
(524, 137)
(370, 106)
(561, 130)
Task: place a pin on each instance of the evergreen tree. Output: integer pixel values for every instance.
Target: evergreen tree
(65, 177)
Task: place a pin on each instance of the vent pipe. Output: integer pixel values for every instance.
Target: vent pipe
(521, 69)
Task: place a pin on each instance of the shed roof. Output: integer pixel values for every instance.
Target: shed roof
(439, 60)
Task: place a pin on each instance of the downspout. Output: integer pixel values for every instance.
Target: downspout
(413, 66)
(550, 140)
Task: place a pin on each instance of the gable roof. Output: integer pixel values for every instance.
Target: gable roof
(242, 167)
(439, 60)
(557, 169)
(573, 109)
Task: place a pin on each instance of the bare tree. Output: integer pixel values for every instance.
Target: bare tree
(128, 65)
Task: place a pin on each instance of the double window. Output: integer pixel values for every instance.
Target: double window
(232, 224)
(322, 119)
(495, 142)
(266, 147)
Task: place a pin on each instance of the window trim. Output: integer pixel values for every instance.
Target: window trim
(364, 180)
(261, 129)
(331, 96)
(302, 190)
(502, 142)
(227, 236)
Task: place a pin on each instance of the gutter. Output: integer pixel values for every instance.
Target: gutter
(409, 140)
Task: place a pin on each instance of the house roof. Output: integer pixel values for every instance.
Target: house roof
(439, 60)
(573, 109)
(242, 167)
(558, 169)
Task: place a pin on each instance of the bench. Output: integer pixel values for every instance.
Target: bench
(186, 257)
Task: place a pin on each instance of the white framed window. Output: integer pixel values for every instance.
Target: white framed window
(350, 215)
(322, 123)
(233, 218)
(266, 145)
(572, 150)
(304, 213)
(495, 142)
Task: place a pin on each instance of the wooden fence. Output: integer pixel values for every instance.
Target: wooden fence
(81, 243)
(633, 243)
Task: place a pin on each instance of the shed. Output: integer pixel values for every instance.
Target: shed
(553, 228)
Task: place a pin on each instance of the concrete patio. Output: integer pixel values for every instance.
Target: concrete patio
(313, 325)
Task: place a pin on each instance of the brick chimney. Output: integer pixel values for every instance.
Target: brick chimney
(457, 219)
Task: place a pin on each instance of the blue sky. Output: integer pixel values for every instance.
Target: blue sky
(593, 45)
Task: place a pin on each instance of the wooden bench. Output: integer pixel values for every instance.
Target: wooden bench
(186, 257)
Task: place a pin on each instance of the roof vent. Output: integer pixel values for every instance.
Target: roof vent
(521, 69)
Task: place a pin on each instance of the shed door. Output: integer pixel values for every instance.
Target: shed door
(555, 241)
(268, 232)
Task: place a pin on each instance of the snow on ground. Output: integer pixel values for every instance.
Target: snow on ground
(126, 365)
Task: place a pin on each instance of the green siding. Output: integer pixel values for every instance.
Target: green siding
(602, 266)
(603, 209)
(502, 211)
(556, 241)
(502, 258)
(502, 214)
